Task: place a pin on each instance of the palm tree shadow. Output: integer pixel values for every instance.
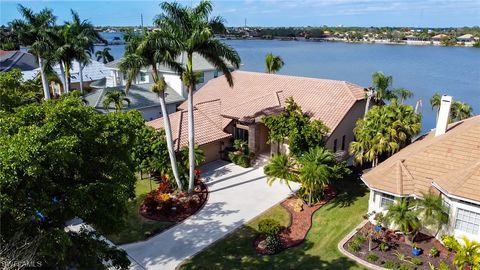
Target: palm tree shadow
(349, 190)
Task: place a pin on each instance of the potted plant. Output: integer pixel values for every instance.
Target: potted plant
(416, 251)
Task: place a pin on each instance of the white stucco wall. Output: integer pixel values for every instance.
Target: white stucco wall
(175, 82)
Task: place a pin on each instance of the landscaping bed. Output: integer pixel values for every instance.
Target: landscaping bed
(300, 223)
(168, 205)
(389, 250)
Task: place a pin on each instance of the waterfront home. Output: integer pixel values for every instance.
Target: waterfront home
(411, 39)
(445, 161)
(207, 72)
(141, 98)
(467, 39)
(437, 39)
(223, 113)
(17, 60)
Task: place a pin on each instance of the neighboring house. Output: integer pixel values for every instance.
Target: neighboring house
(173, 79)
(467, 39)
(223, 113)
(141, 98)
(445, 161)
(17, 59)
(437, 39)
(413, 40)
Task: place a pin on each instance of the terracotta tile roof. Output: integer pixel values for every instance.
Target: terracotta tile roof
(451, 161)
(208, 124)
(253, 93)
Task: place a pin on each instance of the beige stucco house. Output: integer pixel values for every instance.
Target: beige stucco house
(224, 113)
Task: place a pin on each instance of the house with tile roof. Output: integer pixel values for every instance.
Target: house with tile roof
(443, 162)
(223, 113)
(17, 59)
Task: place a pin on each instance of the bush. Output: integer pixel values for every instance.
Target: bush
(434, 252)
(371, 257)
(354, 246)
(384, 246)
(416, 261)
(390, 265)
(273, 244)
(450, 242)
(360, 239)
(269, 226)
(443, 266)
(240, 160)
(406, 267)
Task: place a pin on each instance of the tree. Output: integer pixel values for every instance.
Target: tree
(381, 84)
(104, 55)
(60, 160)
(384, 130)
(401, 215)
(431, 211)
(460, 111)
(435, 102)
(273, 63)
(283, 168)
(35, 31)
(467, 254)
(117, 98)
(150, 151)
(402, 94)
(192, 30)
(15, 92)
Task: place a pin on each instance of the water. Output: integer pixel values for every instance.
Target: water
(423, 69)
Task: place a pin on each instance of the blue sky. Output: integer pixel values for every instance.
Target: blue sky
(416, 13)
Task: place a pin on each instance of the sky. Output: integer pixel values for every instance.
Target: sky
(411, 13)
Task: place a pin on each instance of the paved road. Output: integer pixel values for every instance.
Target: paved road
(237, 195)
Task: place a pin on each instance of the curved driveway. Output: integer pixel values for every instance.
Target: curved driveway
(237, 195)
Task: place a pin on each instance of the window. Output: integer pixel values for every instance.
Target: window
(201, 79)
(335, 145)
(143, 76)
(241, 134)
(343, 142)
(386, 200)
(447, 206)
(215, 74)
(467, 221)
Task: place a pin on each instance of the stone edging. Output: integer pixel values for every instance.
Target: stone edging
(353, 257)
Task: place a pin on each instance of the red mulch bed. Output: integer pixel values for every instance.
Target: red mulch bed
(182, 212)
(423, 241)
(300, 223)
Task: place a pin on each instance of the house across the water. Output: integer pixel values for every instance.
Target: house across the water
(223, 113)
(446, 161)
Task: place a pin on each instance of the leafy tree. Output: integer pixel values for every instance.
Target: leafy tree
(35, 31)
(293, 124)
(273, 63)
(435, 102)
(384, 130)
(283, 168)
(192, 30)
(150, 151)
(381, 85)
(460, 111)
(467, 254)
(402, 215)
(117, 98)
(104, 55)
(15, 92)
(60, 160)
(432, 211)
(402, 94)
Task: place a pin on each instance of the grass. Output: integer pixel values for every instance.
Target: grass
(136, 227)
(319, 251)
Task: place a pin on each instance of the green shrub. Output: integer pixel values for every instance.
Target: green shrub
(354, 246)
(360, 239)
(240, 160)
(434, 252)
(384, 246)
(371, 257)
(269, 226)
(416, 261)
(443, 266)
(406, 267)
(390, 265)
(450, 242)
(273, 244)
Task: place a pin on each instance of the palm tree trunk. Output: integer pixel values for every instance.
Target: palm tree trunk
(67, 77)
(367, 104)
(46, 90)
(168, 137)
(80, 70)
(62, 75)
(191, 129)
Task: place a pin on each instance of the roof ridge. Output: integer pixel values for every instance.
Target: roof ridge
(249, 101)
(462, 174)
(208, 101)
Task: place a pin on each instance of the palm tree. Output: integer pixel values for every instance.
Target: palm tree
(435, 102)
(35, 31)
(402, 94)
(273, 63)
(381, 84)
(467, 254)
(104, 55)
(316, 170)
(459, 111)
(199, 155)
(283, 168)
(117, 98)
(192, 30)
(432, 211)
(400, 214)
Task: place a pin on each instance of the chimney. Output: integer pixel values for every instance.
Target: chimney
(443, 115)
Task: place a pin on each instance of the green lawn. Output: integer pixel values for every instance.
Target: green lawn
(137, 227)
(319, 251)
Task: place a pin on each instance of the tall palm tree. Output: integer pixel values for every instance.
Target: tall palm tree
(118, 99)
(104, 55)
(435, 102)
(283, 168)
(402, 94)
(432, 211)
(467, 254)
(192, 30)
(381, 84)
(460, 110)
(273, 63)
(35, 31)
(400, 214)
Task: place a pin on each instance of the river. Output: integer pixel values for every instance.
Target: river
(423, 69)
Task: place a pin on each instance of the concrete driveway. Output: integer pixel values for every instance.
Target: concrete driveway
(237, 195)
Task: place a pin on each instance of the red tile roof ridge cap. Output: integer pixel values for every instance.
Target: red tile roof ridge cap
(290, 76)
(349, 86)
(257, 98)
(464, 172)
(213, 122)
(208, 101)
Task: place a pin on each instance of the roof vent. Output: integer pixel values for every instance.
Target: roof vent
(443, 115)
